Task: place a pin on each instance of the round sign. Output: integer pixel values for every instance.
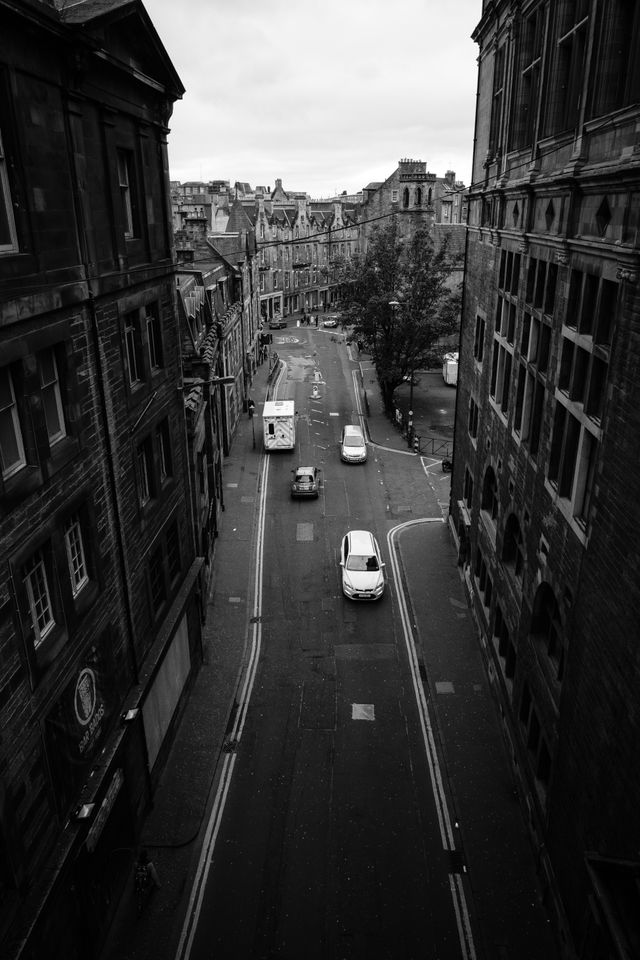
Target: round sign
(85, 696)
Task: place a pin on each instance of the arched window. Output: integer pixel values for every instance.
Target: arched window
(546, 627)
(405, 197)
(418, 197)
(430, 195)
(490, 494)
(513, 546)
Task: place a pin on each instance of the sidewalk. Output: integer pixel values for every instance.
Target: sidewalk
(433, 404)
(173, 829)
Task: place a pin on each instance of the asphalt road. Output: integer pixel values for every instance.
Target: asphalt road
(330, 844)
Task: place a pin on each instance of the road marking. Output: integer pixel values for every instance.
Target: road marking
(463, 923)
(362, 711)
(205, 861)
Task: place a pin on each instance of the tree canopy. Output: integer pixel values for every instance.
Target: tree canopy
(400, 298)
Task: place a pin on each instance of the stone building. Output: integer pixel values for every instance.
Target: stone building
(227, 266)
(546, 480)
(299, 242)
(100, 586)
(416, 195)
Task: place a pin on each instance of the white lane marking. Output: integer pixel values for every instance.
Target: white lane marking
(196, 896)
(405, 453)
(463, 923)
(363, 711)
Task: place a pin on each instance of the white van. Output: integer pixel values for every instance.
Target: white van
(353, 447)
(279, 425)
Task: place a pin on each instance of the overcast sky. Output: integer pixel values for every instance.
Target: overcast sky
(328, 95)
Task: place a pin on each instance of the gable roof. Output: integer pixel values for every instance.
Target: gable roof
(137, 46)
(240, 218)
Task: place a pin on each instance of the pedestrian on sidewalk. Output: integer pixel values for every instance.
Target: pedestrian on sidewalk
(148, 868)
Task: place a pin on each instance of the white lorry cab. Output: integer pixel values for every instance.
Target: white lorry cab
(279, 425)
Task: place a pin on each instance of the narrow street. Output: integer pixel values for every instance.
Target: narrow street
(339, 835)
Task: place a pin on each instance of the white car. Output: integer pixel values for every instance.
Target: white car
(362, 566)
(353, 446)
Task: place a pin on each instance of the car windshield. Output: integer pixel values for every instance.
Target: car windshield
(304, 478)
(353, 441)
(357, 562)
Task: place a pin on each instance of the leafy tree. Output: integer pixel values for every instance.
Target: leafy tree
(400, 299)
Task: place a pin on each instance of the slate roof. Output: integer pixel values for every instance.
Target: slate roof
(240, 218)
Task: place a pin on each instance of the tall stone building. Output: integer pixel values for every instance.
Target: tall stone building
(99, 575)
(546, 479)
(417, 196)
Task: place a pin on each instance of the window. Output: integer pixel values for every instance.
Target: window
(405, 197)
(133, 346)
(504, 645)
(539, 755)
(164, 451)
(75, 554)
(8, 237)
(509, 273)
(513, 546)
(546, 629)
(145, 471)
(497, 102)
(51, 396)
(468, 487)
(394, 196)
(154, 336)
(529, 59)
(541, 285)
(591, 306)
(617, 82)
(490, 494)
(501, 376)
(128, 198)
(583, 377)
(567, 71)
(39, 598)
(12, 454)
(572, 461)
(484, 584)
(478, 345)
(529, 407)
(474, 413)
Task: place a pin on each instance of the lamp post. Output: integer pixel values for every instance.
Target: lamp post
(395, 305)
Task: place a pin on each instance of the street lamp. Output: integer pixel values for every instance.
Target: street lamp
(395, 305)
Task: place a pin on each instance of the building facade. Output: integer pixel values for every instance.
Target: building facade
(100, 587)
(417, 196)
(545, 485)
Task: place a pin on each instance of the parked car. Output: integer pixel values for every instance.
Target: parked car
(330, 322)
(362, 566)
(277, 323)
(353, 446)
(305, 482)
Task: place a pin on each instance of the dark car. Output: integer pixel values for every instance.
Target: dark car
(277, 323)
(305, 482)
